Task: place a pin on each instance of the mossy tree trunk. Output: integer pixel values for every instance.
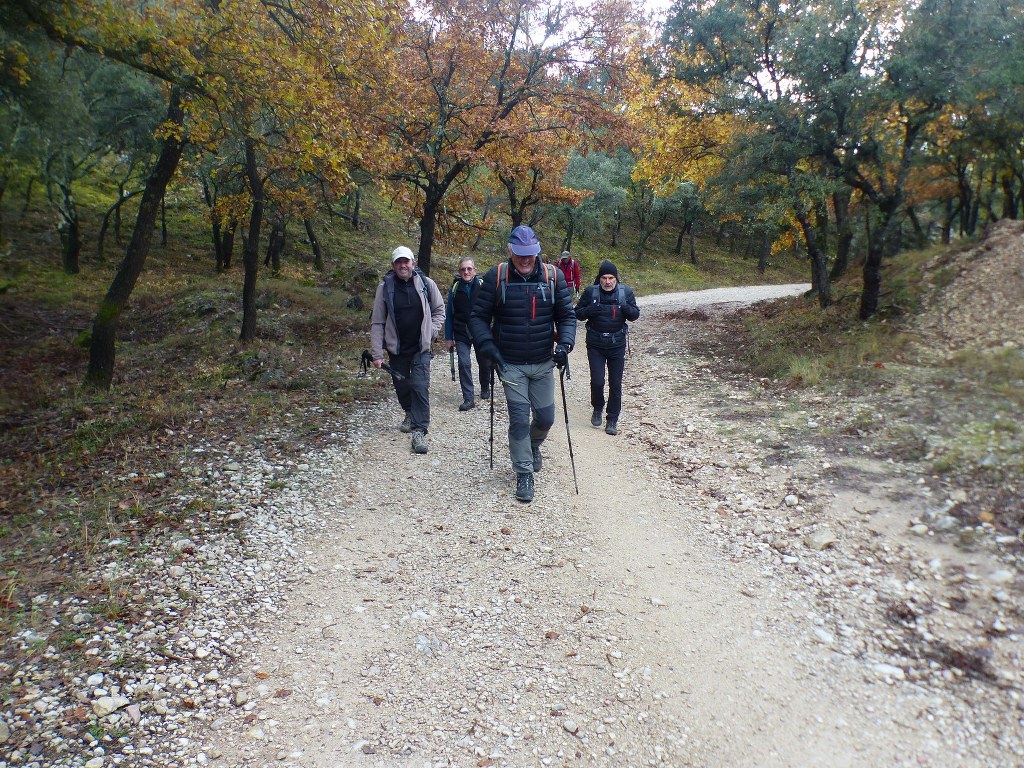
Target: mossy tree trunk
(104, 328)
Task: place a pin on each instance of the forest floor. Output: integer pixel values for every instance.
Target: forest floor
(750, 575)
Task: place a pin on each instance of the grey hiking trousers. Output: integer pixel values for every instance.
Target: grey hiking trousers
(530, 391)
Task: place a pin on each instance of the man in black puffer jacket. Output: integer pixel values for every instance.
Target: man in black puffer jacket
(514, 319)
(606, 306)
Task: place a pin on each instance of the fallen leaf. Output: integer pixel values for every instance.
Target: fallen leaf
(551, 635)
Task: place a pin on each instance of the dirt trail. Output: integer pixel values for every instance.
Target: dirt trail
(650, 620)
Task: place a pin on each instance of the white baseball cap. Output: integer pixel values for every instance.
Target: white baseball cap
(401, 252)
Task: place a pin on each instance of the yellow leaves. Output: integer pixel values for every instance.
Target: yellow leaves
(14, 61)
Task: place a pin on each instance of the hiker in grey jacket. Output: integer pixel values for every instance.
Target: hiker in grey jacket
(408, 314)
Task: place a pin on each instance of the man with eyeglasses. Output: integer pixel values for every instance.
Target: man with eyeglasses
(456, 333)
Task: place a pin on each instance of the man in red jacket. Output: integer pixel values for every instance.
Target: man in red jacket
(571, 269)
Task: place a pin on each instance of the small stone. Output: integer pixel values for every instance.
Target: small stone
(920, 529)
(890, 672)
(176, 572)
(106, 705)
(82, 618)
(823, 636)
(1001, 577)
(570, 726)
(820, 540)
(241, 698)
(96, 762)
(5, 732)
(94, 681)
(792, 500)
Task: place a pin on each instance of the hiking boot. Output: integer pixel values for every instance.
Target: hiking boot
(406, 425)
(467, 404)
(524, 487)
(538, 460)
(596, 418)
(419, 442)
(485, 394)
(612, 426)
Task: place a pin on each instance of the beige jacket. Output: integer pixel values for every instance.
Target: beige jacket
(383, 333)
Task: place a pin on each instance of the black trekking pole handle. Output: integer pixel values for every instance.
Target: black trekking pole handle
(562, 375)
(366, 362)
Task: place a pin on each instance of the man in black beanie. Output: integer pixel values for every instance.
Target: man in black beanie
(606, 306)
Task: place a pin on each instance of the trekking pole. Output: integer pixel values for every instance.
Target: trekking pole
(366, 363)
(562, 375)
(492, 418)
(451, 362)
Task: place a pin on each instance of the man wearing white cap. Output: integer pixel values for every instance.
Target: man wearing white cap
(408, 313)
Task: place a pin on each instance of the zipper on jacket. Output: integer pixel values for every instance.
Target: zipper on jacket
(533, 307)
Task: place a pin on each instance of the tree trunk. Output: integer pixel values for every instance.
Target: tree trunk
(357, 205)
(115, 212)
(922, 238)
(228, 243)
(819, 265)
(122, 195)
(28, 196)
(616, 229)
(318, 252)
(218, 242)
(163, 221)
(765, 252)
(693, 248)
(569, 233)
(104, 328)
(250, 254)
(69, 230)
(275, 247)
(71, 244)
(678, 251)
(1009, 196)
(844, 233)
(877, 245)
(428, 225)
(947, 223)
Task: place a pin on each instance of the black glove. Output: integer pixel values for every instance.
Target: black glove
(490, 350)
(561, 355)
